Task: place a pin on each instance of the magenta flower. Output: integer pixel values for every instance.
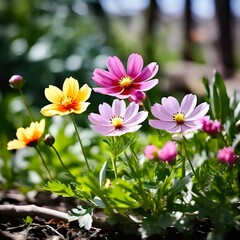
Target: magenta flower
(150, 151)
(175, 118)
(227, 155)
(169, 152)
(211, 127)
(122, 83)
(118, 119)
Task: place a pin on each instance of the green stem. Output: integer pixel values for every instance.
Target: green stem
(185, 148)
(183, 161)
(80, 141)
(60, 159)
(114, 166)
(26, 105)
(44, 163)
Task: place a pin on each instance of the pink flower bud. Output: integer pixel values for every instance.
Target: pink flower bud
(150, 151)
(16, 81)
(138, 97)
(211, 127)
(227, 155)
(169, 152)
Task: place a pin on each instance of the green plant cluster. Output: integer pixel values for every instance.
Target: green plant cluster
(153, 195)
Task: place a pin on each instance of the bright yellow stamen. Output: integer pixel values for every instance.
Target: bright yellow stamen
(179, 117)
(125, 82)
(117, 121)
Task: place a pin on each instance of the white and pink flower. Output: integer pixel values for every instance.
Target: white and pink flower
(175, 118)
(117, 119)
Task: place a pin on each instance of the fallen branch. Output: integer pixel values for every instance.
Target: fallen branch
(32, 211)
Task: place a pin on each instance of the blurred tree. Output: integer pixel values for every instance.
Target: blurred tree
(225, 24)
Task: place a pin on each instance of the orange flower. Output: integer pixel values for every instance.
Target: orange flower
(70, 99)
(27, 136)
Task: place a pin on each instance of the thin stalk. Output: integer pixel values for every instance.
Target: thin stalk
(60, 159)
(183, 161)
(80, 141)
(114, 166)
(192, 165)
(44, 163)
(26, 105)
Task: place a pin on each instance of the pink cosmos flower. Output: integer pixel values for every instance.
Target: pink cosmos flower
(118, 119)
(150, 151)
(123, 83)
(227, 155)
(211, 127)
(175, 118)
(169, 152)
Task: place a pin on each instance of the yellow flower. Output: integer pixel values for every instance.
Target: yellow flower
(70, 99)
(27, 136)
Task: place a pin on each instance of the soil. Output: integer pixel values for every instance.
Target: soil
(13, 227)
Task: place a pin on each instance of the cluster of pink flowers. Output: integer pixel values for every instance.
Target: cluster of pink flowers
(166, 154)
(211, 127)
(131, 83)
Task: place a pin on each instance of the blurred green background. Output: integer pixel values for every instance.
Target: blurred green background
(46, 41)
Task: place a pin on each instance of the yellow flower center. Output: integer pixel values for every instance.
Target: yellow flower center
(68, 104)
(179, 117)
(117, 121)
(125, 82)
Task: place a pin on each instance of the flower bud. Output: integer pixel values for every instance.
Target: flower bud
(138, 97)
(150, 151)
(227, 155)
(169, 152)
(16, 81)
(49, 140)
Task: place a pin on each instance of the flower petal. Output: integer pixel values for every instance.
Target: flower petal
(171, 105)
(116, 67)
(146, 85)
(83, 93)
(136, 119)
(198, 112)
(161, 113)
(159, 124)
(53, 109)
(148, 72)
(188, 103)
(112, 91)
(104, 130)
(131, 110)
(15, 144)
(106, 111)
(53, 94)
(70, 87)
(134, 65)
(118, 107)
(104, 78)
(97, 119)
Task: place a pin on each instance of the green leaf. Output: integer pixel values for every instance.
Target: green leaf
(117, 145)
(218, 98)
